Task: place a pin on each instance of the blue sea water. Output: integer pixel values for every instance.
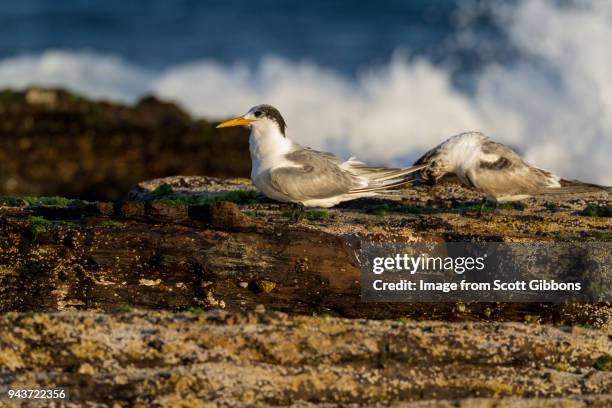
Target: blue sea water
(344, 35)
(383, 80)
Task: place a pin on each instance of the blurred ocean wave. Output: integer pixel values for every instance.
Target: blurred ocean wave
(549, 94)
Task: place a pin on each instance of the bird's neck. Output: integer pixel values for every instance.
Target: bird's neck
(268, 142)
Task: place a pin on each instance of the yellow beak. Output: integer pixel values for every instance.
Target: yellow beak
(235, 122)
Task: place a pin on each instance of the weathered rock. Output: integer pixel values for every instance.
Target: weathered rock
(56, 143)
(192, 186)
(156, 358)
(97, 260)
(223, 215)
(253, 259)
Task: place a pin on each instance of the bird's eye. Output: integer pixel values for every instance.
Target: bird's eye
(257, 114)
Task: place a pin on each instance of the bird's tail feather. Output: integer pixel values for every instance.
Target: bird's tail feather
(382, 173)
(575, 186)
(382, 178)
(382, 188)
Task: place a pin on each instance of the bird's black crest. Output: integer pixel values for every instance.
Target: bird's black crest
(271, 112)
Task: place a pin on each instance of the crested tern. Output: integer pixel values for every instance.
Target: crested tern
(493, 169)
(285, 171)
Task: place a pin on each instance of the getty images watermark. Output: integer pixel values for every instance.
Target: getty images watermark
(487, 272)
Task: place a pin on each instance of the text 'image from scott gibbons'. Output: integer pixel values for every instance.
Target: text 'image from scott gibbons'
(486, 272)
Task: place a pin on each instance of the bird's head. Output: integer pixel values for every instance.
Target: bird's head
(264, 118)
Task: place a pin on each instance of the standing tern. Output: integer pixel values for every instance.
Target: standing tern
(493, 170)
(285, 171)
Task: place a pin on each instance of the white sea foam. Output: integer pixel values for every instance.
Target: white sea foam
(554, 104)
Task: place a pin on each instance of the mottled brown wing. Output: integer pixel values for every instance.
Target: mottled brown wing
(506, 173)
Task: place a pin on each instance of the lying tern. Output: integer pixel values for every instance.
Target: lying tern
(285, 171)
(493, 170)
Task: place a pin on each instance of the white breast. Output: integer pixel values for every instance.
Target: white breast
(268, 148)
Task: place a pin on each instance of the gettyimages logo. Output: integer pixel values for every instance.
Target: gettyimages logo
(423, 262)
(486, 272)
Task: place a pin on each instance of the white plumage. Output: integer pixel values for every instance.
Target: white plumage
(285, 171)
(493, 169)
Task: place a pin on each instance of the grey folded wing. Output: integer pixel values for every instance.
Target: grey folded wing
(316, 175)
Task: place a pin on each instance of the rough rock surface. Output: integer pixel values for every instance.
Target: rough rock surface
(165, 359)
(172, 254)
(70, 274)
(56, 143)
